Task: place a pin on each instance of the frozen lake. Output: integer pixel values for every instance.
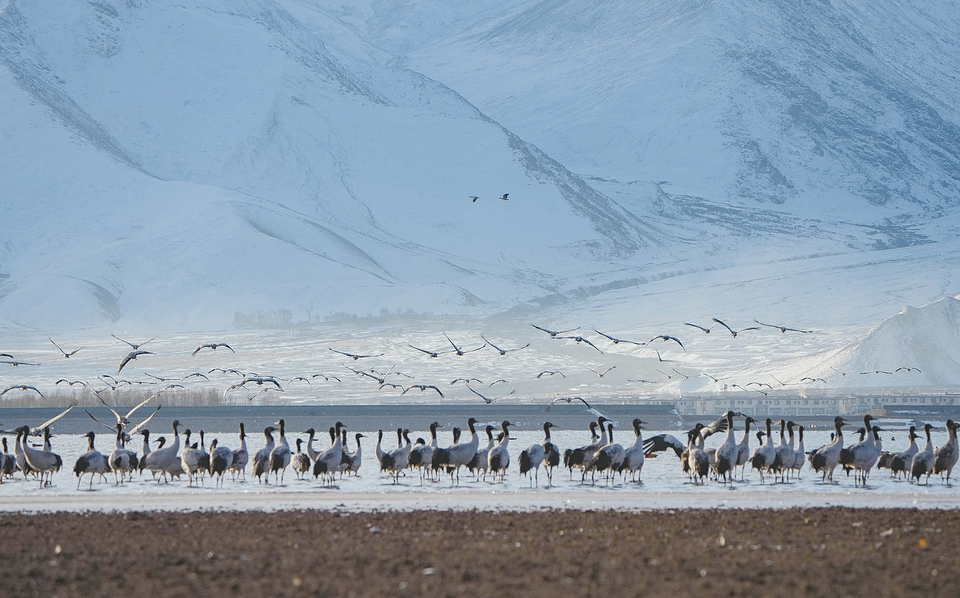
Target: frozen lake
(663, 484)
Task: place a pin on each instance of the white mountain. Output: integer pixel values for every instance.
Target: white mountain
(167, 167)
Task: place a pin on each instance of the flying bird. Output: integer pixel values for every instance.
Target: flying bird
(353, 355)
(617, 341)
(430, 353)
(666, 337)
(488, 400)
(502, 351)
(783, 329)
(213, 346)
(878, 372)
(133, 346)
(131, 356)
(571, 399)
(422, 388)
(195, 375)
(466, 380)
(80, 382)
(808, 378)
(698, 326)
(21, 387)
(473, 198)
(909, 369)
(731, 330)
(504, 198)
(17, 363)
(458, 350)
(579, 340)
(65, 354)
(554, 333)
(604, 372)
(550, 373)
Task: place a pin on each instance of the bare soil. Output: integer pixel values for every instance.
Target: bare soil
(814, 552)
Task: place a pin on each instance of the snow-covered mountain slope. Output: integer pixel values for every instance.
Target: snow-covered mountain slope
(185, 167)
(811, 107)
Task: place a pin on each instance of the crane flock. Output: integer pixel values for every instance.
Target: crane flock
(600, 459)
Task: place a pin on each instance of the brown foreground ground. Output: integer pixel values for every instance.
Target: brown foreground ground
(815, 552)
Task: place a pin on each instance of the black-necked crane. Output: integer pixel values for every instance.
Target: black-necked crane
(356, 457)
(261, 459)
(551, 454)
(610, 456)
(945, 457)
(900, 462)
(458, 455)
(9, 461)
(866, 452)
(280, 455)
(92, 462)
(799, 456)
(240, 457)
(121, 460)
(634, 457)
(728, 452)
(924, 461)
(421, 456)
(743, 448)
(300, 462)
(130, 357)
(533, 456)
(766, 454)
(479, 464)
(213, 346)
(498, 460)
(221, 459)
(133, 346)
(697, 460)
(190, 458)
(733, 332)
(45, 463)
(328, 462)
(825, 459)
(65, 354)
(166, 459)
(785, 456)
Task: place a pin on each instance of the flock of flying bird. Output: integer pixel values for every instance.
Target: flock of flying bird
(601, 455)
(264, 384)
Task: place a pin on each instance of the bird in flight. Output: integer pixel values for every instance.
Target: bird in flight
(908, 369)
(579, 340)
(422, 388)
(550, 373)
(666, 337)
(731, 330)
(131, 356)
(430, 353)
(504, 198)
(571, 399)
(80, 382)
(603, 373)
(473, 198)
(467, 380)
(554, 333)
(458, 350)
(488, 400)
(353, 355)
(808, 378)
(21, 387)
(502, 351)
(783, 329)
(17, 363)
(617, 341)
(213, 346)
(133, 346)
(698, 326)
(878, 372)
(65, 354)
